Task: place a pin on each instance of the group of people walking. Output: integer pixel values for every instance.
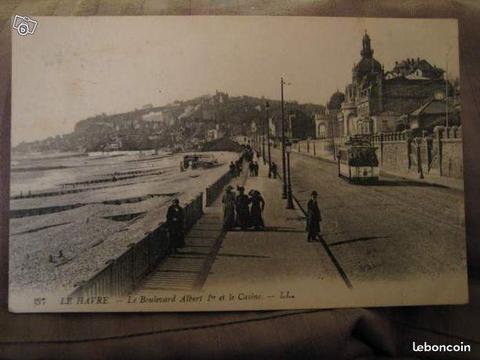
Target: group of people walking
(253, 168)
(242, 210)
(235, 168)
(247, 155)
(272, 171)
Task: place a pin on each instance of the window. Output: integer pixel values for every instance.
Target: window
(384, 125)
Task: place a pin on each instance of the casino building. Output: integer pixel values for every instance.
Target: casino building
(378, 101)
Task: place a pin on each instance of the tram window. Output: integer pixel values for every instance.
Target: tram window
(363, 157)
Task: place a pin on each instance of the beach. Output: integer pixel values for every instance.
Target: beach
(70, 213)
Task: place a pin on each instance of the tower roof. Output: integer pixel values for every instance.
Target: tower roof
(367, 64)
(367, 51)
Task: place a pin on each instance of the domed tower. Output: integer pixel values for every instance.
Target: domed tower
(367, 51)
(367, 66)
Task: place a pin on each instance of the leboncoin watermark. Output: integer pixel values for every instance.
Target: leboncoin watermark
(426, 347)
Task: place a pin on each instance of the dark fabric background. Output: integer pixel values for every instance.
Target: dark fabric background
(322, 334)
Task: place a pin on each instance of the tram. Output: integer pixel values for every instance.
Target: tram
(357, 160)
(199, 160)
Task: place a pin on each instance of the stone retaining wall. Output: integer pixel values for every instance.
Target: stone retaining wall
(440, 154)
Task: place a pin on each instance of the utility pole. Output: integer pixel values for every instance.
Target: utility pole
(446, 95)
(263, 143)
(284, 194)
(267, 106)
(334, 120)
(289, 187)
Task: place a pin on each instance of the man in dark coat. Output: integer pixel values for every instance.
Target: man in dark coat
(233, 171)
(251, 168)
(175, 225)
(238, 167)
(273, 170)
(313, 218)
(243, 212)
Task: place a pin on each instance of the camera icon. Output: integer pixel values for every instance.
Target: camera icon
(24, 25)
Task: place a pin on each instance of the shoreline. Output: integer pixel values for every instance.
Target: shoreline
(57, 250)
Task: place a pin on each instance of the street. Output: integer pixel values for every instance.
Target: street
(395, 230)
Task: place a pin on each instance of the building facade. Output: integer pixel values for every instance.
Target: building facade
(327, 123)
(377, 101)
(299, 125)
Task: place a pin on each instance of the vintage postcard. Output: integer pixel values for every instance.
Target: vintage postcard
(235, 163)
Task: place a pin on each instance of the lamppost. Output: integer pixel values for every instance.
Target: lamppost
(259, 140)
(284, 194)
(267, 126)
(446, 90)
(265, 132)
(263, 144)
(288, 149)
(334, 120)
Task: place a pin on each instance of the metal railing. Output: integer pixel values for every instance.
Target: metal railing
(214, 190)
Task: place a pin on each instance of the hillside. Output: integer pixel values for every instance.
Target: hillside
(181, 125)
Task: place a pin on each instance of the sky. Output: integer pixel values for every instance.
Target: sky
(76, 67)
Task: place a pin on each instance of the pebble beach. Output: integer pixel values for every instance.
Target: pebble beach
(70, 213)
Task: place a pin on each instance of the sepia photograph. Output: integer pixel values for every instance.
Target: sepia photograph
(218, 163)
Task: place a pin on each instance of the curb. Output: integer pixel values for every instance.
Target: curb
(399, 176)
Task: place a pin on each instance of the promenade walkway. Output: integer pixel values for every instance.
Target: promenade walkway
(276, 256)
(188, 269)
(213, 258)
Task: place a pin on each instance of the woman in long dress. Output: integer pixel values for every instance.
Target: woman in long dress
(242, 206)
(258, 204)
(228, 201)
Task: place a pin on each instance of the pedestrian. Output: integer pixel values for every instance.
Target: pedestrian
(255, 168)
(313, 218)
(256, 210)
(251, 168)
(238, 167)
(241, 206)
(273, 170)
(232, 169)
(175, 225)
(228, 202)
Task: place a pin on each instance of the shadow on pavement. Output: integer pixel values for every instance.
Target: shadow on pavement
(282, 229)
(245, 256)
(365, 238)
(405, 182)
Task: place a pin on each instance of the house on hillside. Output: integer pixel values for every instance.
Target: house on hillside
(214, 134)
